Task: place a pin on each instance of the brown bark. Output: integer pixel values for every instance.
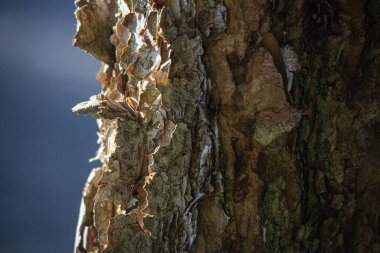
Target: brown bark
(233, 126)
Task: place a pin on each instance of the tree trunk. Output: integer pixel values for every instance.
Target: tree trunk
(233, 126)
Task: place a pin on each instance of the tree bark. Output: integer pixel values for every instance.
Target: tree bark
(233, 126)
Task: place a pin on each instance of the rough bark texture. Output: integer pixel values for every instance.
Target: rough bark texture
(233, 126)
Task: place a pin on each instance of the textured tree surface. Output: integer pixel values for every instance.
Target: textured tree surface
(233, 126)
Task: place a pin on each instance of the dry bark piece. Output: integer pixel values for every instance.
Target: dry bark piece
(86, 234)
(94, 30)
(212, 19)
(102, 106)
(168, 30)
(291, 62)
(270, 125)
(104, 76)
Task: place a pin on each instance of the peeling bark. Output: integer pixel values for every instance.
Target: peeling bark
(233, 126)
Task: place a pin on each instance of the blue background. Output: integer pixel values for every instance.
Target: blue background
(44, 147)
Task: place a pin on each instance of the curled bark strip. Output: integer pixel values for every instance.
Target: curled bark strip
(142, 197)
(104, 107)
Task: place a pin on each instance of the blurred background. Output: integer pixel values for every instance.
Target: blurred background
(44, 146)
